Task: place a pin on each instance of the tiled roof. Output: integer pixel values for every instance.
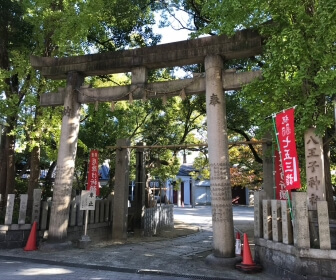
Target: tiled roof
(186, 169)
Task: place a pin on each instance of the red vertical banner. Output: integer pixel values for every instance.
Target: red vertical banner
(93, 176)
(281, 192)
(286, 135)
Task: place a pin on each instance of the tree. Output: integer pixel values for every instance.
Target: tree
(245, 171)
(15, 33)
(297, 62)
(46, 28)
(193, 19)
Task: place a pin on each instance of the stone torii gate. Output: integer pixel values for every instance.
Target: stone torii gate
(209, 50)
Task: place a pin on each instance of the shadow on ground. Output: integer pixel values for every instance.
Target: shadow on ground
(180, 229)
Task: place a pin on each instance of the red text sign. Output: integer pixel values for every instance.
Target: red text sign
(93, 176)
(286, 135)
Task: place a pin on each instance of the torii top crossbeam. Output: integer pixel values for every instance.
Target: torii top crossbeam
(243, 44)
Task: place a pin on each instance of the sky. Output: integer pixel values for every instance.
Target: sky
(170, 35)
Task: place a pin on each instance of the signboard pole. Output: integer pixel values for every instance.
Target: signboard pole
(88, 199)
(86, 222)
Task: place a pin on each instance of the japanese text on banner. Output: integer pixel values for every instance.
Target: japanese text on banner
(287, 145)
(281, 192)
(93, 176)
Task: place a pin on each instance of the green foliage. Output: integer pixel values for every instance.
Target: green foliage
(201, 165)
(165, 166)
(21, 187)
(244, 169)
(105, 191)
(61, 28)
(142, 121)
(297, 61)
(177, 184)
(298, 65)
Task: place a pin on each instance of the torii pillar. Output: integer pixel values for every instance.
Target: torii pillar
(221, 196)
(120, 204)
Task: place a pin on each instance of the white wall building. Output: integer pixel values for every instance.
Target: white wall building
(193, 192)
(202, 192)
(182, 196)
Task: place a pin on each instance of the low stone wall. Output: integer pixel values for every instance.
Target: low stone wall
(14, 236)
(99, 222)
(96, 232)
(294, 248)
(158, 218)
(289, 262)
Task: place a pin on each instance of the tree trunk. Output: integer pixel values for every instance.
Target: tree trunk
(10, 24)
(52, 167)
(3, 164)
(327, 176)
(34, 177)
(48, 181)
(4, 64)
(10, 158)
(3, 170)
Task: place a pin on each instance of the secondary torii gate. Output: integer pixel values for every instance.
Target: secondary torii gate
(209, 50)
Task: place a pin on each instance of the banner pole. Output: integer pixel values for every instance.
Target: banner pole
(273, 114)
(274, 172)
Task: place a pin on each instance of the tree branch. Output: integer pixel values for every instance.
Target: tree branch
(254, 152)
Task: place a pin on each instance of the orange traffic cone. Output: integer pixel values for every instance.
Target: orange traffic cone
(31, 243)
(248, 265)
(247, 259)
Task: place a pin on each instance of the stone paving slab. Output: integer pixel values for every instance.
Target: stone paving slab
(179, 256)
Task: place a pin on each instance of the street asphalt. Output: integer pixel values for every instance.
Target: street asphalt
(161, 257)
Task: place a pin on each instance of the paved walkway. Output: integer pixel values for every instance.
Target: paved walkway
(181, 258)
